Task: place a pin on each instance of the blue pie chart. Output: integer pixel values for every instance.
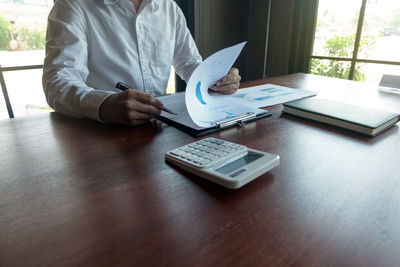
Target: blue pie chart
(198, 93)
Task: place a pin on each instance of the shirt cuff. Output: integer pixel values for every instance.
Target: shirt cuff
(92, 102)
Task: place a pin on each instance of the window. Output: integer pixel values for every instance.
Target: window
(357, 40)
(22, 40)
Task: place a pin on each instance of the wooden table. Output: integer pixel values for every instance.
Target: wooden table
(77, 192)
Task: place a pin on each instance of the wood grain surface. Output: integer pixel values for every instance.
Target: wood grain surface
(75, 192)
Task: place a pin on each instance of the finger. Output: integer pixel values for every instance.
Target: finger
(149, 99)
(134, 115)
(232, 77)
(147, 109)
(217, 88)
(228, 92)
(223, 86)
(229, 80)
(234, 71)
(227, 88)
(144, 98)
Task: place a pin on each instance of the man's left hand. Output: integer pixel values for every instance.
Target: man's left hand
(229, 83)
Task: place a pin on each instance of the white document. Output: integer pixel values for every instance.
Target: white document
(204, 109)
(177, 103)
(265, 95)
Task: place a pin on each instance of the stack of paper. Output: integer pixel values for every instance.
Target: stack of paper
(201, 112)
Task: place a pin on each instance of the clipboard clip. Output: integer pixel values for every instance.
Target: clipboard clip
(240, 120)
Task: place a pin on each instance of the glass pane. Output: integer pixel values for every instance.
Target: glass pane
(22, 40)
(382, 31)
(23, 31)
(374, 72)
(331, 68)
(171, 87)
(336, 27)
(26, 92)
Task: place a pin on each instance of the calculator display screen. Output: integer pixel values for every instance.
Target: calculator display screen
(237, 164)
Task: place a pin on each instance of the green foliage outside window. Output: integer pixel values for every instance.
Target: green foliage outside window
(33, 39)
(14, 37)
(342, 46)
(5, 35)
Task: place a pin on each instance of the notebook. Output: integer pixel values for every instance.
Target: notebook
(364, 120)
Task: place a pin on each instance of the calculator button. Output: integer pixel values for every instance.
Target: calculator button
(201, 154)
(208, 151)
(174, 153)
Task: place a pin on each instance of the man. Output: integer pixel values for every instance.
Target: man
(93, 44)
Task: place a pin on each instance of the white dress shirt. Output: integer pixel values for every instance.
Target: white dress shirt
(93, 44)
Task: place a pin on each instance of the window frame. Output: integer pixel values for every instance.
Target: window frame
(354, 59)
(3, 83)
(4, 87)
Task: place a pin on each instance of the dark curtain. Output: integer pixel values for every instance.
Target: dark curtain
(291, 39)
(187, 7)
(287, 42)
(258, 29)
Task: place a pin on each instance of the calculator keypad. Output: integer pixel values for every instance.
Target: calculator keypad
(207, 151)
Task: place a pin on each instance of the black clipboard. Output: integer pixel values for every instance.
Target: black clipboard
(221, 125)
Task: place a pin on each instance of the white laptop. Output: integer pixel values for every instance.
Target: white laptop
(390, 83)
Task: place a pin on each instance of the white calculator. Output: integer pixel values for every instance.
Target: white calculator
(222, 162)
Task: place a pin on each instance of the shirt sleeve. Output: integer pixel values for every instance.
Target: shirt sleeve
(65, 67)
(186, 54)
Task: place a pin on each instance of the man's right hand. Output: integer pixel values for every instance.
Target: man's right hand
(131, 107)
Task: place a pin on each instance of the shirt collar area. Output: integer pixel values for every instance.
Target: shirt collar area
(153, 3)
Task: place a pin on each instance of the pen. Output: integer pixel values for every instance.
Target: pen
(123, 86)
